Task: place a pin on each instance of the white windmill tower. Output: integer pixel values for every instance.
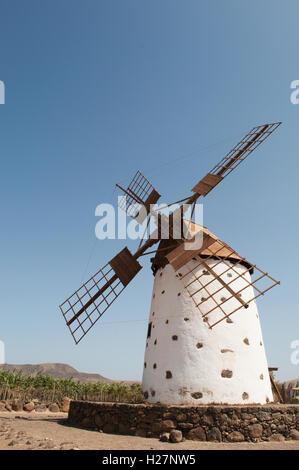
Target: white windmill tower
(195, 352)
(190, 360)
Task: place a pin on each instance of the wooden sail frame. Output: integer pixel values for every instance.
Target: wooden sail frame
(140, 192)
(220, 253)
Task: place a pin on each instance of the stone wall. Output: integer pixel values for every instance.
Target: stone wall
(18, 404)
(213, 423)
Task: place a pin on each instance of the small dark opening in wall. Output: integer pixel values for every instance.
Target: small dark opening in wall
(149, 330)
(196, 395)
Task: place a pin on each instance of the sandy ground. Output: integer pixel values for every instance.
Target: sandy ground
(50, 431)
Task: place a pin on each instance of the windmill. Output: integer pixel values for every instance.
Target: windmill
(204, 341)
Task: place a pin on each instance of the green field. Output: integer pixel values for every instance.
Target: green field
(47, 389)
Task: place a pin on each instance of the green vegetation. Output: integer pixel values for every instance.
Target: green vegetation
(47, 389)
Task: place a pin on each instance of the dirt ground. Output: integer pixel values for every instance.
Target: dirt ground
(39, 431)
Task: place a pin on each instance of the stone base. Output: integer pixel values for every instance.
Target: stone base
(233, 423)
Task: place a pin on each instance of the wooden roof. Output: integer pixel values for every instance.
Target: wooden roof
(170, 249)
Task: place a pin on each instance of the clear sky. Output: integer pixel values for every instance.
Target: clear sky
(96, 89)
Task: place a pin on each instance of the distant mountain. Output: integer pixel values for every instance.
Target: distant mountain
(57, 370)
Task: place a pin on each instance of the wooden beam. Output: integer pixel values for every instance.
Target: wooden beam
(230, 290)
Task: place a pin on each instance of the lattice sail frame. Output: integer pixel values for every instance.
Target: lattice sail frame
(71, 306)
(84, 308)
(238, 295)
(234, 157)
(254, 138)
(140, 192)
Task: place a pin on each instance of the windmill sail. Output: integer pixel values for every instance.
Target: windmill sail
(238, 154)
(140, 192)
(218, 279)
(83, 309)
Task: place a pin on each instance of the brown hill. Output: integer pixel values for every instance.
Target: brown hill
(57, 370)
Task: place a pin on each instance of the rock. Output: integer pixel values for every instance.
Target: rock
(226, 373)
(2, 407)
(282, 429)
(12, 443)
(122, 428)
(197, 434)
(65, 405)
(288, 419)
(140, 433)
(29, 406)
(109, 428)
(98, 421)
(263, 416)
(235, 436)
(87, 422)
(207, 420)
(214, 435)
(168, 425)
(54, 408)
(164, 437)
(185, 425)
(49, 445)
(17, 405)
(255, 430)
(175, 436)
(277, 437)
(163, 426)
(294, 434)
(40, 408)
(181, 417)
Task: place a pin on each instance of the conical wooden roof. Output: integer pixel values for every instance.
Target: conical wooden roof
(211, 245)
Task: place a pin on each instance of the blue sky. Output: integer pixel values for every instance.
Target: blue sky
(97, 89)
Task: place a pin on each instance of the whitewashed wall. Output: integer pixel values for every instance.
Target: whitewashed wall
(225, 364)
